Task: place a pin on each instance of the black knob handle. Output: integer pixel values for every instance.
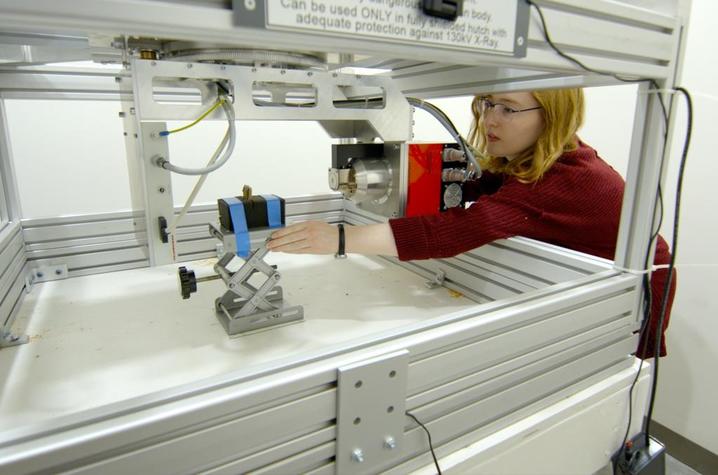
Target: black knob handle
(187, 281)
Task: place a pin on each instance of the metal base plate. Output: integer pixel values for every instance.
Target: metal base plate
(258, 320)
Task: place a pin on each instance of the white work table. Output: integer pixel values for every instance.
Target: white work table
(104, 338)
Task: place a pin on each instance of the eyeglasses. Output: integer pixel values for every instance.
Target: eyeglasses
(503, 112)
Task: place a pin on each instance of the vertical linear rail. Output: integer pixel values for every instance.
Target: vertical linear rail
(639, 213)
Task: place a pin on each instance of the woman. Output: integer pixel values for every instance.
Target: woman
(540, 181)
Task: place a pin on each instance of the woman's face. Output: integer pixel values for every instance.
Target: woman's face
(507, 131)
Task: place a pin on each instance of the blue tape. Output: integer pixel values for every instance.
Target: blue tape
(274, 211)
(239, 223)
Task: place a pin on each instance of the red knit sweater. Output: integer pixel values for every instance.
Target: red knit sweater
(576, 204)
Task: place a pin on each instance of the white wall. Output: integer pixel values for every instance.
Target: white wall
(70, 158)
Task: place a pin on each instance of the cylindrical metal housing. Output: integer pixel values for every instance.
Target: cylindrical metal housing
(373, 180)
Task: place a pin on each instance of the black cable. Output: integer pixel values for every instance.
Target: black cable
(431, 445)
(654, 235)
(671, 264)
(660, 214)
(591, 70)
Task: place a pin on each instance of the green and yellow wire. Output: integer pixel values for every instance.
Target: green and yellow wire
(217, 104)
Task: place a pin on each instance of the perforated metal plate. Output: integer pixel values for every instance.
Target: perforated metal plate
(370, 412)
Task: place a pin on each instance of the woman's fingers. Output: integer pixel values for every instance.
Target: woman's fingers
(294, 228)
(312, 237)
(286, 241)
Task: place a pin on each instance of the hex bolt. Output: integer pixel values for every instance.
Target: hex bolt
(389, 443)
(58, 271)
(358, 455)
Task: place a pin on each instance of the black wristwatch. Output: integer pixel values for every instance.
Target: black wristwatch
(341, 254)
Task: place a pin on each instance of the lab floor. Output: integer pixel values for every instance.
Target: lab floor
(104, 338)
(676, 467)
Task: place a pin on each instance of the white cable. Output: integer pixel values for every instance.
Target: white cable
(164, 163)
(197, 186)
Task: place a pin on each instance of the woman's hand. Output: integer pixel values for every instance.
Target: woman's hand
(311, 237)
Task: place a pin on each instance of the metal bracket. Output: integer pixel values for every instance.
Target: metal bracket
(8, 339)
(245, 308)
(371, 400)
(46, 274)
(437, 281)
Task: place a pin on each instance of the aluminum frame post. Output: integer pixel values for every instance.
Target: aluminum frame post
(646, 169)
(150, 185)
(9, 199)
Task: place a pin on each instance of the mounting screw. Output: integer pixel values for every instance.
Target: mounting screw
(39, 275)
(58, 271)
(389, 443)
(189, 66)
(358, 455)
(161, 189)
(520, 40)
(250, 5)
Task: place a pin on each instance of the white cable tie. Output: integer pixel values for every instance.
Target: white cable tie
(657, 91)
(641, 271)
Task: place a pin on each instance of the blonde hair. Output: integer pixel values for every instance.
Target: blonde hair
(563, 112)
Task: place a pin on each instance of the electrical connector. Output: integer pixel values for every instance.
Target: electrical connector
(637, 458)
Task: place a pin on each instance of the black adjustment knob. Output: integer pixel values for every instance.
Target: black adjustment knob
(187, 281)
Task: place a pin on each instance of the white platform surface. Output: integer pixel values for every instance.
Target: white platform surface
(104, 338)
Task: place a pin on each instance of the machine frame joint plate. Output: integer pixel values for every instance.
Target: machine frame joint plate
(371, 401)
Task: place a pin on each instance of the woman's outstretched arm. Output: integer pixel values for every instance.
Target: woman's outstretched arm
(316, 237)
